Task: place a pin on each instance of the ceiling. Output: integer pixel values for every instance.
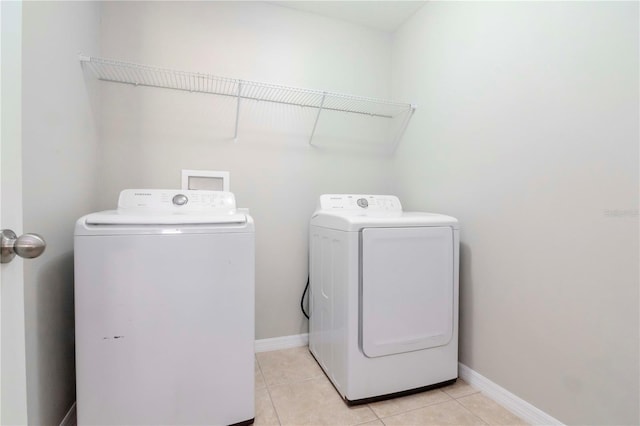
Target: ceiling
(381, 15)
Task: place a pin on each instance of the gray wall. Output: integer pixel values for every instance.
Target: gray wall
(149, 134)
(59, 168)
(528, 132)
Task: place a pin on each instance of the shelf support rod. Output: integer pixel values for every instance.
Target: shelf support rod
(402, 129)
(235, 134)
(313, 131)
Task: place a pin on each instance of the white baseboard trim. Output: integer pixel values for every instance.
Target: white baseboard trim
(513, 403)
(71, 418)
(284, 342)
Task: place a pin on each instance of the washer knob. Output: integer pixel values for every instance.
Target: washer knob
(180, 200)
(362, 202)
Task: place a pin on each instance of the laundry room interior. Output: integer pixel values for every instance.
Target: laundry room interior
(521, 120)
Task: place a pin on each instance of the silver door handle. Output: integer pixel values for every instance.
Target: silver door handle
(26, 246)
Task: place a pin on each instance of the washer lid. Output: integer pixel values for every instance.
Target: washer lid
(117, 217)
(170, 207)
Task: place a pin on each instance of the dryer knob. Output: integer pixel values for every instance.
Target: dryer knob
(362, 202)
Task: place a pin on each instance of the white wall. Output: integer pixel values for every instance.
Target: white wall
(528, 132)
(149, 135)
(59, 168)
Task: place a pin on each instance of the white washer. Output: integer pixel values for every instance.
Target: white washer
(164, 311)
(383, 296)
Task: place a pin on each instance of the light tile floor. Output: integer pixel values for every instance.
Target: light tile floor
(291, 389)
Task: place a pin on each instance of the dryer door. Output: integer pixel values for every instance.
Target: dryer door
(406, 289)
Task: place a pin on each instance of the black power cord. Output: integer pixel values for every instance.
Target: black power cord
(302, 299)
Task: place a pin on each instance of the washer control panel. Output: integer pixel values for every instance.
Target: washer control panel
(176, 200)
(360, 202)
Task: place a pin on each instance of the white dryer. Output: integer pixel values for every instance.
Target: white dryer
(383, 296)
(164, 311)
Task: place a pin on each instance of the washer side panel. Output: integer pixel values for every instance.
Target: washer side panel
(165, 326)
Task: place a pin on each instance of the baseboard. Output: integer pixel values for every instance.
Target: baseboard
(284, 342)
(513, 403)
(71, 418)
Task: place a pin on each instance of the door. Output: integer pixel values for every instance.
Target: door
(13, 390)
(406, 289)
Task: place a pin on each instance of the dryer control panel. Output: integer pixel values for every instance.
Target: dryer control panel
(178, 200)
(359, 202)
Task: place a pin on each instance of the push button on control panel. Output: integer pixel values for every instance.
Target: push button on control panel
(180, 200)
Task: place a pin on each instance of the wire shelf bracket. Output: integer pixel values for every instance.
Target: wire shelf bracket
(143, 75)
(235, 132)
(315, 123)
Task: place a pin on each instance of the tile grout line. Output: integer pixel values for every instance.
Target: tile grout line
(289, 382)
(275, 410)
(473, 390)
(367, 422)
(489, 398)
(495, 402)
(374, 412)
(471, 412)
(420, 408)
(286, 382)
(463, 396)
(266, 386)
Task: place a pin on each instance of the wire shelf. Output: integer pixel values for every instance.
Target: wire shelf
(143, 75)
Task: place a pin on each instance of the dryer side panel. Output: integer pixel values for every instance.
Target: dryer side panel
(407, 289)
(329, 278)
